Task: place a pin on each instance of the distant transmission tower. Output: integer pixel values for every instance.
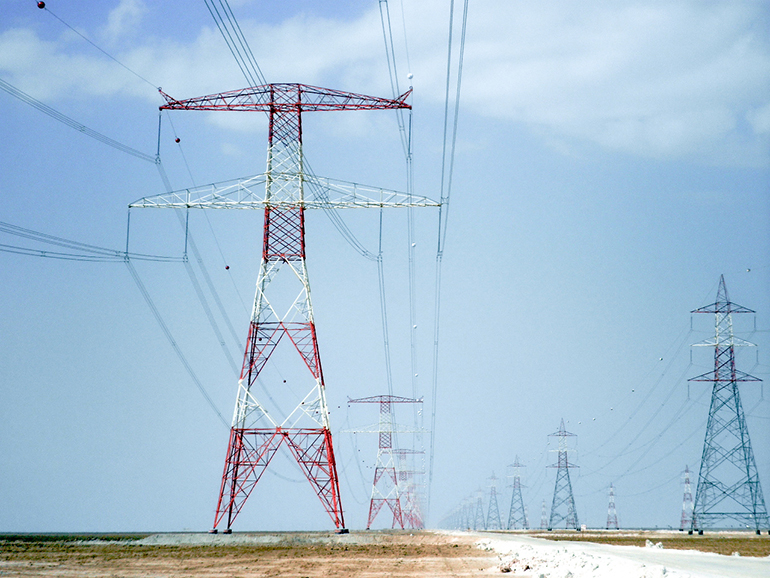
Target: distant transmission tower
(563, 499)
(728, 482)
(479, 521)
(385, 487)
(467, 515)
(687, 503)
(612, 515)
(411, 497)
(517, 517)
(543, 517)
(493, 513)
(282, 311)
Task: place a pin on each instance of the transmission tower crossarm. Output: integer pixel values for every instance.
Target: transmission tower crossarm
(250, 193)
(285, 97)
(386, 399)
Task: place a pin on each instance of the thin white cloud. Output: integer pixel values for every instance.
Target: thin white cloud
(656, 79)
(124, 20)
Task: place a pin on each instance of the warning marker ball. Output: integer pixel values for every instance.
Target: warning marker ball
(41, 5)
(176, 139)
(227, 267)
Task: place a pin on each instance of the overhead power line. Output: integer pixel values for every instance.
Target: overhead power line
(85, 252)
(446, 190)
(236, 41)
(107, 54)
(55, 114)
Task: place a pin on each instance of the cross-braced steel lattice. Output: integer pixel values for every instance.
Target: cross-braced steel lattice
(479, 520)
(410, 485)
(687, 503)
(612, 515)
(517, 516)
(467, 513)
(728, 488)
(388, 479)
(543, 516)
(493, 511)
(563, 505)
(282, 312)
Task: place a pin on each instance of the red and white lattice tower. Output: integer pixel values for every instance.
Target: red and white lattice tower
(409, 486)
(612, 515)
(282, 312)
(687, 503)
(386, 490)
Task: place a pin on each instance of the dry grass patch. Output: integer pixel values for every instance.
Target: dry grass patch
(745, 543)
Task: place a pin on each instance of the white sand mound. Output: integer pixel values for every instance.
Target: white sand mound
(538, 558)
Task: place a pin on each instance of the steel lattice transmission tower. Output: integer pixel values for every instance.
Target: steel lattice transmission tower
(466, 514)
(612, 515)
(728, 482)
(543, 516)
(493, 512)
(517, 516)
(562, 491)
(281, 313)
(386, 489)
(411, 497)
(687, 503)
(479, 520)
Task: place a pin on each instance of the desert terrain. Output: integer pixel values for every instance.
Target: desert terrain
(407, 554)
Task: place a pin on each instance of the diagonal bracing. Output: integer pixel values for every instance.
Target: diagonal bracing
(728, 490)
(283, 192)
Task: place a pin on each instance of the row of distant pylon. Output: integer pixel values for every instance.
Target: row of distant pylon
(472, 513)
(728, 487)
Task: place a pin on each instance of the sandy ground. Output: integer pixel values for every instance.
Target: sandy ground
(370, 555)
(296, 555)
(534, 557)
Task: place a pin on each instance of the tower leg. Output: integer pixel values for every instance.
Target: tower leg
(248, 454)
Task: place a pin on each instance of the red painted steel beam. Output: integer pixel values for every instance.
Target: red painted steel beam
(286, 97)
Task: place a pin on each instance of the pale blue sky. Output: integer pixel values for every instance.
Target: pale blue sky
(613, 159)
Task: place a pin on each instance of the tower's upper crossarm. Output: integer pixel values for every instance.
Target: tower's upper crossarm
(285, 97)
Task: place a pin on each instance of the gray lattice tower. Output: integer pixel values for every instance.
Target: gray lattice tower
(493, 513)
(469, 509)
(612, 515)
(517, 516)
(563, 505)
(479, 521)
(728, 483)
(543, 517)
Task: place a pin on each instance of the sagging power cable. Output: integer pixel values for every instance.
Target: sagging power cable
(85, 252)
(107, 54)
(63, 118)
(236, 41)
(446, 189)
